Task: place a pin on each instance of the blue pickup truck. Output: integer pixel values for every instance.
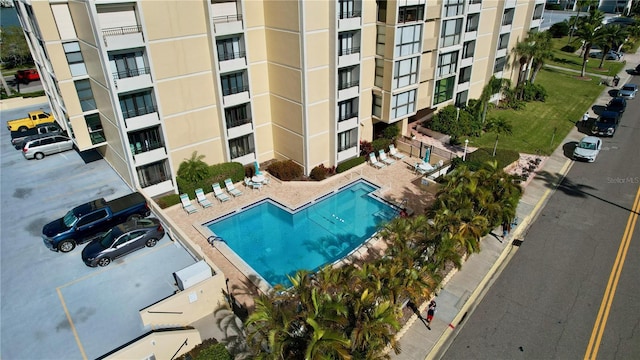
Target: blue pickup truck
(86, 221)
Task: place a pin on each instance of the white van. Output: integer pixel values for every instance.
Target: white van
(38, 148)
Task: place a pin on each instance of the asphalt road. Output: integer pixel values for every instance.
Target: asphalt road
(549, 297)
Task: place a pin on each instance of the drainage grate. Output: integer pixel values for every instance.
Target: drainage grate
(517, 242)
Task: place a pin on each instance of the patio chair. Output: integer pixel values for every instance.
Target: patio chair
(423, 167)
(375, 162)
(217, 191)
(231, 189)
(248, 182)
(393, 152)
(186, 204)
(202, 199)
(256, 186)
(383, 157)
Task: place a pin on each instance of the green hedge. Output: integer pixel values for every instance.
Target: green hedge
(482, 155)
(218, 173)
(286, 170)
(348, 164)
(168, 200)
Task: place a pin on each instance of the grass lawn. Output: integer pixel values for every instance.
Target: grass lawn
(534, 127)
(573, 61)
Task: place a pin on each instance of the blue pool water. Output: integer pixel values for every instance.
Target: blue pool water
(277, 242)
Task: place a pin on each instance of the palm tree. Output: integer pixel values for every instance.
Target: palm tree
(610, 35)
(194, 169)
(499, 126)
(580, 4)
(524, 52)
(589, 34)
(541, 52)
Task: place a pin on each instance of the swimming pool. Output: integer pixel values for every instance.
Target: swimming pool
(276, 241)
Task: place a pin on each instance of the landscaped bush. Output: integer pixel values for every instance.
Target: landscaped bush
(168, 200)
(391, 132)
(456, 124)
(209, 349)
(285, 170)
(348, 164)
(381, 144)
(534, 92)
(320, 172)
(365, 148)
(560, 29)
(475, 159)
(569, 48)
(193, 175)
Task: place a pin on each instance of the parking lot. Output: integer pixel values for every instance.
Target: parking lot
(52, 305)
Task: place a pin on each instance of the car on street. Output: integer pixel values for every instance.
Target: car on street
(121, 240)
(628, 91)
(611, 55)
(617, 104)
(26, 76)
(587, 149)
(606, 124)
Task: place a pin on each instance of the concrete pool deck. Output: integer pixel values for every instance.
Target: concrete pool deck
(397, 182)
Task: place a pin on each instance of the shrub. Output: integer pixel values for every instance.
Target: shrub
(391, 132)
(365, 148)
(319, 173)
(285, 170)
(475, 159)
(168, 200)
(348, 164)
(569, 48)
(216, 174)
(534, 92)
(380, 144)
(560, 29)
(193, 169)
(209, 349)
(449, 121)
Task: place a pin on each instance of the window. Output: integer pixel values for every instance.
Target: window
(347, 77)
(465, 75)
(347, 139)
(94, 125)
(537, 12)
(403, 104)
(377, 106)
(349, 43)
(379, 81)
(444, 90)
(230, 48)
(451, 30)
(410, 13)
(453, 7)
(472, 22)
(405, 72)
(233, 83)
(74, 58)
(153, 173)
(145, 140)
(468, 49)
(408, 40)
(137, 104)
(92, 217)
(237, 115)
(381, 39)
(382, 10)
(507, 18)
(475, 1)
(128, 65)
(499, 66)
(85, 95)
(503, 41)
(461, 99)
(448, 64)
(241, 146)
(347, 109)
(348, 9)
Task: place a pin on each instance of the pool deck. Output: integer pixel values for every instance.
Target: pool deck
(397, 182)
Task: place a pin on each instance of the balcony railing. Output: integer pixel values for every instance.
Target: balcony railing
(237, 122)
(350, 14)
(140, 148)
(348, 116)
(227, 18)
(97, 136)
(139, 112)
(234, 90)
(122, 30)
(130, 73)
(231, 56)
(349, 51)
(347, 84)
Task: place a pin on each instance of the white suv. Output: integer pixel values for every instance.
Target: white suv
(38, 148)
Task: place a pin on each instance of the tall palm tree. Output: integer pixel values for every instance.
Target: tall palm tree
(499, 126)
(524, 52)
(580, 4)
(610, 35)
(541, 52)
(588, 32)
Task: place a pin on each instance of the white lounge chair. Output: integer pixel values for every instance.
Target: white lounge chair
(423, 167)
(375, 162)
(217, 191)
(202, 199)
(186, 204)
(232, 189)
(383, 157)
(393, 152)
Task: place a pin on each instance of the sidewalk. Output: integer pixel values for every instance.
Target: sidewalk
(463, 289)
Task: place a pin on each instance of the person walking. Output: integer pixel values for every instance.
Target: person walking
(430, 312)
(585, 117)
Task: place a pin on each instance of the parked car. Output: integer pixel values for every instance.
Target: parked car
(121, 240)
(86, 221)
(617, 104)
(636, 71)
(606, 124)
(628, 91)
(18, 138)
(26, 76)
(588, 149)
(48, 144)
(32, 120)
(611, 55)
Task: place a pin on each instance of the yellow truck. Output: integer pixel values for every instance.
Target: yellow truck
(35, 118)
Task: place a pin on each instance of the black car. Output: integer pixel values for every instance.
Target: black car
(121, 240)
(617, 104)
(606, 124)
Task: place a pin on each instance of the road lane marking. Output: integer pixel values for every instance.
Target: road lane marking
(614, 277)
(73, 327)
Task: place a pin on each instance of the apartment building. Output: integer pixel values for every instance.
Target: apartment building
(148, 83)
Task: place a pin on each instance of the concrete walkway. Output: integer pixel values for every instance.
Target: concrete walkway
(463, 289)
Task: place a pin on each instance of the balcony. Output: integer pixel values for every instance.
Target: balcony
(348, 117)
(349, 57)
(348, 90)
(132, 79)
(347, 153)
(350, 20)
(240, 130)
(235, 95)
(232, 62)
(134, 120)
(348, 124)
(123, 37)
(148, 156)
(227, 24)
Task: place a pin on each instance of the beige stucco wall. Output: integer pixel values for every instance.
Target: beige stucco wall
(282, 15)
(169, 19)
(70, 96)
(253, 13)
(59, 61)
(259, 81)
(185, 93)
(318, 81)
(46, 21)
(264, 143)
(211, 150)
(319, 118)
(81, 22)
(316, 45)
(93, 63)
(254, 40)
(286, 114)
(317, 15)
(285, 82)
(180, 56)
(192, 127)
(261, 109)
(283, 47)
(318, 146)
(161, 344)
(289, 144)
